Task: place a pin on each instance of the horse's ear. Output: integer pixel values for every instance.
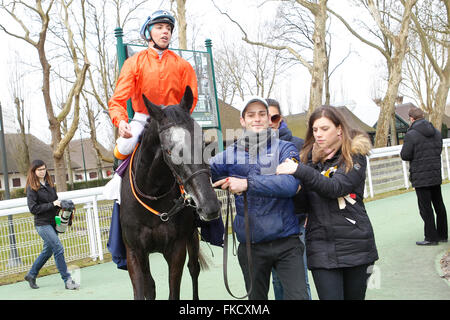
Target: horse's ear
(154, 111)
(188, 99)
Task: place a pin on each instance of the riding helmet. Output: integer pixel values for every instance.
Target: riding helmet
(159, 16)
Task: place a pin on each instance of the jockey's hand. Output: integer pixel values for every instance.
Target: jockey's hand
(234, 185)
(124, 129)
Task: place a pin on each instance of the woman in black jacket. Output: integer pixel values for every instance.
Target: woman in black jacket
(43, 204)
(340, 243)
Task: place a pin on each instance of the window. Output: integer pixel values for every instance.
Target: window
(78, 177)
(108, 173)
(16, 182)
(92, 175)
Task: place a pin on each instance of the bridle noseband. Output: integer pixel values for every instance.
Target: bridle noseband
(185, 200)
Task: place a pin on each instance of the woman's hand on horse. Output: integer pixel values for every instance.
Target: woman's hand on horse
(234, 185)
(124, 129)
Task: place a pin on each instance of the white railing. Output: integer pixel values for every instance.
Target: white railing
(87, 238)
(386, 171)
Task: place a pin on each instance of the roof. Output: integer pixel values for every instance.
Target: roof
(90, 157)
(298, 125)
(403, 109)
(37, 150)
(229, 119)
(40, 150)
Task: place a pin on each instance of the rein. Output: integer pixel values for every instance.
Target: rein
(247, 245)
(183, 201)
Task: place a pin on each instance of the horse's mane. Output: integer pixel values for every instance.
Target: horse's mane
(176, 115)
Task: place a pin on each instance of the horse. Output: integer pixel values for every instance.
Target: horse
(176, 190)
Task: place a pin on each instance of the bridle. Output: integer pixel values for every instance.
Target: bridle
(185, 200)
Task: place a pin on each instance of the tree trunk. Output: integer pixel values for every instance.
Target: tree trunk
(69, 167)
(182, 25)
(439, 104)
(319, 58)
(387, 107)
(395, 71)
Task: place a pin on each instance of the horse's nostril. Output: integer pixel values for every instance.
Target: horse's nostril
(199, 210)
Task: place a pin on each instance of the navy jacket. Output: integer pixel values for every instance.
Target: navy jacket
(270, 205)
(286, 134)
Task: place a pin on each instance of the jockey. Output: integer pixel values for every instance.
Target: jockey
(158, 73)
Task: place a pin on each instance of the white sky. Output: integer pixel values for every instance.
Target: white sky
(352, 81)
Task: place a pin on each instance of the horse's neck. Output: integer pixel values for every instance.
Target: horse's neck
(153, 176)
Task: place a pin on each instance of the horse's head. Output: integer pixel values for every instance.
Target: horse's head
(181, 141)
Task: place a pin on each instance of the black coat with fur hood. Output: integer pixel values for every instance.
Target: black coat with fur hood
(338, 233)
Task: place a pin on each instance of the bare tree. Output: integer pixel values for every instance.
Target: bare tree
(18, 11)
(393, 48)
(317, 68)
(434, 40)
(242, 69)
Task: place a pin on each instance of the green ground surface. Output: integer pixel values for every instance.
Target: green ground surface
(404, 271)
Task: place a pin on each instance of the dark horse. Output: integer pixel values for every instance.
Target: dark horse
(157, 180)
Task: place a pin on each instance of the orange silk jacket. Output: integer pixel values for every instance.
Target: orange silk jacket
(163, 81)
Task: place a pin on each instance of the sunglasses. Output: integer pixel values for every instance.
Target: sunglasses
(275, 118)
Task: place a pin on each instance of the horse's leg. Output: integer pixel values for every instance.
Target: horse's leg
(139, 272)
(193, 248)
(175, 259)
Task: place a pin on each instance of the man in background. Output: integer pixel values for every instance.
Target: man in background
(422, 147)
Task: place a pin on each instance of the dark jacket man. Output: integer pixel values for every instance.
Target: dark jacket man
(422, 147)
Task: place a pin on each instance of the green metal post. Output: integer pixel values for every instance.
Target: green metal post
(121, 57)
(208, 45)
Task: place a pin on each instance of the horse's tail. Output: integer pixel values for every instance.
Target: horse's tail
(202, 260)
(195, 244)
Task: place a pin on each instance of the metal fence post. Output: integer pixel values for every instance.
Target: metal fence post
(91, 231)
(97, 228)
(369, 174)
(446, 160)
(405, 175)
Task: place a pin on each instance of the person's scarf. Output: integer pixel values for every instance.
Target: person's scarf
(255, 142)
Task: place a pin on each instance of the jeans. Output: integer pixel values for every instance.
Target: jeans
(342, 283)
(52, 245)
(285, 255)
(277, 287)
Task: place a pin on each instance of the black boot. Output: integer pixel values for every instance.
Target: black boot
(31, 281)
